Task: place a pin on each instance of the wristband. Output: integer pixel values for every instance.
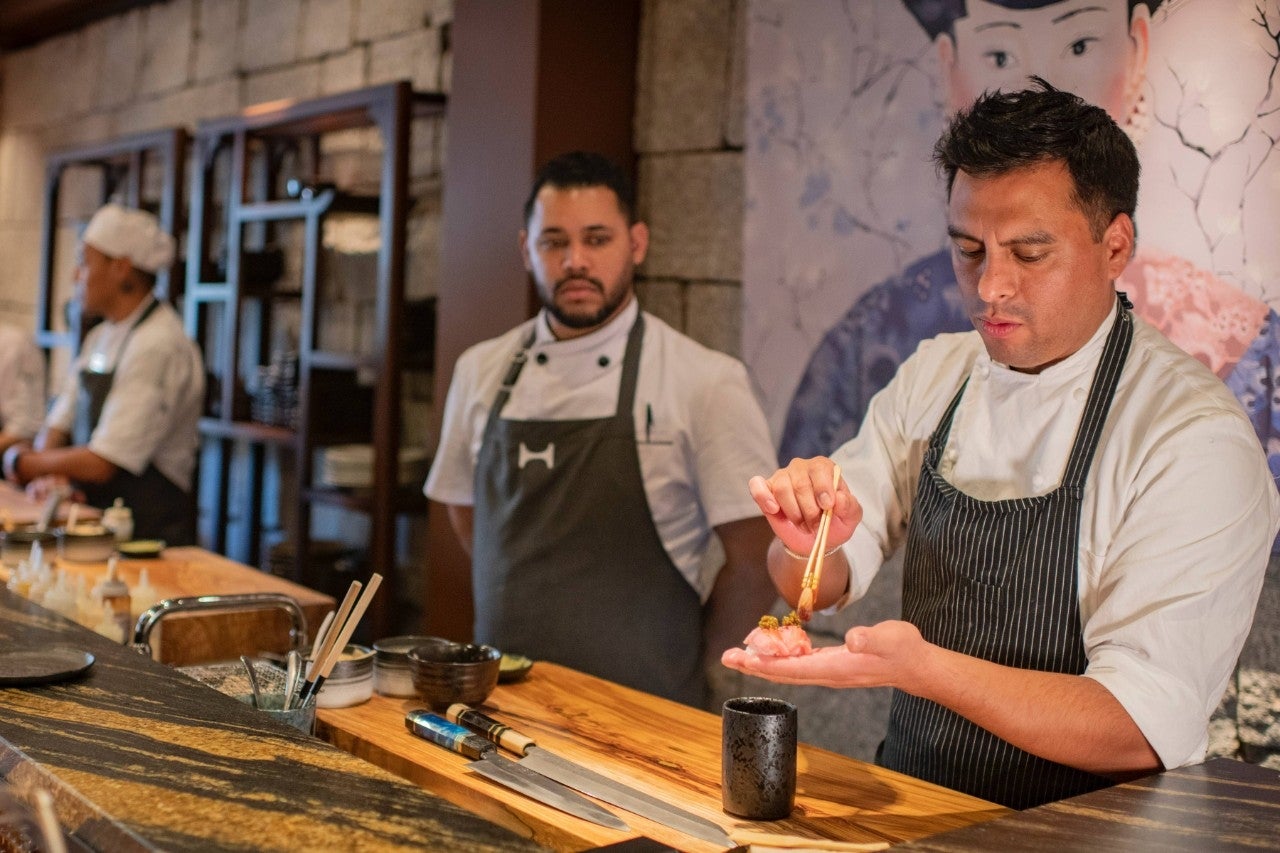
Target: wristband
(793, 555)
(11, 456)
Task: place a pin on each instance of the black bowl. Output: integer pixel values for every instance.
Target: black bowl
(445, 672)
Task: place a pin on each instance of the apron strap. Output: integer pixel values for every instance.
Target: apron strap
(1096, 407)
(513, 373)
(630, 368)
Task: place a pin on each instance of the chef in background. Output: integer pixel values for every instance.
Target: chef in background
(589, 456)
(21, 386)
(125, 423)
(1086, 511)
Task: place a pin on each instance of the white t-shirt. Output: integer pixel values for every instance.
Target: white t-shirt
(153, 411)
(21, 383)
(1178, 516)
(701, 433)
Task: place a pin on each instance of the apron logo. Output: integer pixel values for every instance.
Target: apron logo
(546, 456)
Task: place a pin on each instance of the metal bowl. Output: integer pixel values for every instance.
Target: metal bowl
(17, 544)
(445, 672)
(391, 675)
(86, 543)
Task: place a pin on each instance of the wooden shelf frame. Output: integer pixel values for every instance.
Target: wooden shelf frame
(390, 109)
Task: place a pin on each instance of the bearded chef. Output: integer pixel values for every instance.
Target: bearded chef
(589, 457)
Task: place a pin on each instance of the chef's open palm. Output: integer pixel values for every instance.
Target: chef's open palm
(884, 655)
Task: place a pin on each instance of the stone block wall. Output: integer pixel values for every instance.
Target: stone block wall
(688, 140)
(179, 62)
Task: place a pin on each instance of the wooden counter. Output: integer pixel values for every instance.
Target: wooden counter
(198, 637)
(190, 637)
(18, 509)
(140, 757)
(666, 749)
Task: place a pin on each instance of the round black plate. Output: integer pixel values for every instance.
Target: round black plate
(42, 666)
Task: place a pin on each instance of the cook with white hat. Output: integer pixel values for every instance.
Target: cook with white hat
(125, 422)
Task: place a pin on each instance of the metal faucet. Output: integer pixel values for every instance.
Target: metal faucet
(240, 601)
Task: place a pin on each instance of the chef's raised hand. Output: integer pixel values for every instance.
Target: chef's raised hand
(794, 497)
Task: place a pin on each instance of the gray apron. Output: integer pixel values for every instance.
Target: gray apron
(567, 565)
(161, 510)
(998, 580)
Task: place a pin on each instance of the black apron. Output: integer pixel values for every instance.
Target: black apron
(567, 565)
(998, 580)
(161, 510)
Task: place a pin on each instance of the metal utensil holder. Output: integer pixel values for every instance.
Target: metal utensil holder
(240, 601)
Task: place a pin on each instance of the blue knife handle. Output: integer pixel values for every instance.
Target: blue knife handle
(440, 731)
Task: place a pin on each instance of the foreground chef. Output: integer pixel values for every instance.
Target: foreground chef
(588, 455)
(125, 424)
(1086, 511)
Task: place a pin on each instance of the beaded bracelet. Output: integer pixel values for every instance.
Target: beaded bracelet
(793, 555)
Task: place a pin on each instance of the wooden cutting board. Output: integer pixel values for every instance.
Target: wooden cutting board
(666, 749)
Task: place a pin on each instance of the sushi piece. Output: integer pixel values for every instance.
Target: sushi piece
(773, 639)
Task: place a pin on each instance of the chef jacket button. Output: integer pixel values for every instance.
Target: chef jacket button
(604, 361)
(952, 454)
(541, 358)
(983, 370)
(1078, 393)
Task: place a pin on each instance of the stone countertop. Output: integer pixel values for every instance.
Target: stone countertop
(139, 756)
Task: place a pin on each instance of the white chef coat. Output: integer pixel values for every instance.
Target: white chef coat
(1177, 521)
(21, 383)
(700, 432)
(152, 414)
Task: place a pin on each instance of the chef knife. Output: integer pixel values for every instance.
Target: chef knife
(504, 771)
(587, 781)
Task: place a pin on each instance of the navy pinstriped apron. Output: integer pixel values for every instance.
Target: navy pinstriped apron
(998, 580)
(567, 564)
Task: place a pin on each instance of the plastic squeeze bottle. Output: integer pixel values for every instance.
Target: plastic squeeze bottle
(114, 594)
(118, 518)
(144, 595)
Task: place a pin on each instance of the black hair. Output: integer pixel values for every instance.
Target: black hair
(1003, 131)
(584, 169)
(939, 16)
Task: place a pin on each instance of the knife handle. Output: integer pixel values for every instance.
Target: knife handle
(440, 731)
(483, 724)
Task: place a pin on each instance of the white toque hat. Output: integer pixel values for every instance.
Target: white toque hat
(125, 232)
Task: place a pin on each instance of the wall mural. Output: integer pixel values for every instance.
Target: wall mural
(845, 261)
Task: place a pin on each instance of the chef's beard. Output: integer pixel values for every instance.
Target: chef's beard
(613, 301)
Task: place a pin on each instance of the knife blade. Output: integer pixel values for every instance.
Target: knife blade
(587, 781)
(490, 764)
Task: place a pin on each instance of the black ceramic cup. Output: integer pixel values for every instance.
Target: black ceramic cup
(758, 757)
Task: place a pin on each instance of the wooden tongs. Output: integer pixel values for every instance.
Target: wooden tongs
(813, 568)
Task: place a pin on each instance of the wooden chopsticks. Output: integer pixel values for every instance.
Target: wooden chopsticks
(813, 568)
(349, 614)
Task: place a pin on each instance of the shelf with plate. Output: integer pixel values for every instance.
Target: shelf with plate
(290, 374)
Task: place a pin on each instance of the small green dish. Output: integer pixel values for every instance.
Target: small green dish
(141, 549)
(513, 668)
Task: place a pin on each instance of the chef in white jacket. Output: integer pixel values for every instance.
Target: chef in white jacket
(1085, 509)
(125, 424)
